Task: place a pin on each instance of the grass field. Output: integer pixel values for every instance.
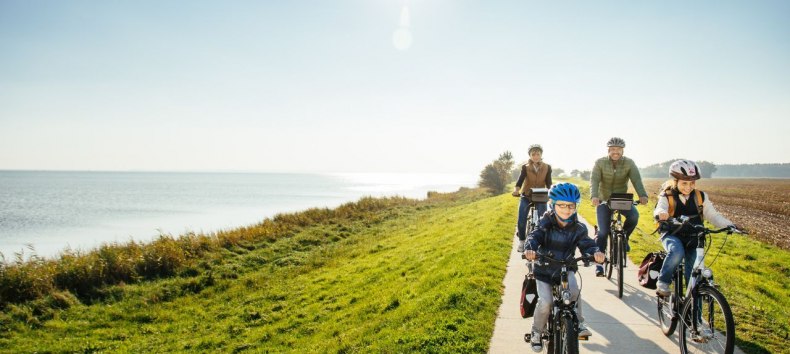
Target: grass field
(753, 275)
(415, 277)
(378, 275)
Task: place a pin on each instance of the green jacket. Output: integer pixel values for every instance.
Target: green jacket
(607, 178)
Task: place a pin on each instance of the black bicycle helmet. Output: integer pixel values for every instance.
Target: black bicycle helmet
(615, 141)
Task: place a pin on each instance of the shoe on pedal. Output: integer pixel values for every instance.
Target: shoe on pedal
(598, 271)
(662, 289)
(703, 336)
(536, 342)
(520, 246)
(583, 330)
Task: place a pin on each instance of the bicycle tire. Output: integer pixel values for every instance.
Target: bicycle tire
(570, 336)
(552, 347)
(620, 265)
(666, 318)
(612, 258)
(716, 317)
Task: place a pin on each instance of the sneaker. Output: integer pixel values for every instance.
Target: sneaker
(662, 289)
(520, 246)
(598, 271)
(703, 336)
(536, 342)
(583, 330)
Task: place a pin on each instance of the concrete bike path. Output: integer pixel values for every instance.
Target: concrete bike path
(628, 325)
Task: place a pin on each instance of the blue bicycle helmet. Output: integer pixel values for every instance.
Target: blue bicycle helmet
(566, 192)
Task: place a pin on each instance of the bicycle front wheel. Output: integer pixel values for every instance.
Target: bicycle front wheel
(612, 258)
(570, 337)
(707, 327)
(620, 264)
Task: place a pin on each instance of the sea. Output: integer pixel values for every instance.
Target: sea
(44, 213)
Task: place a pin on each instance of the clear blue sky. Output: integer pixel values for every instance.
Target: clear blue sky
(324, 86)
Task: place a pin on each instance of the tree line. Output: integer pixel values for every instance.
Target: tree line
(502, 171)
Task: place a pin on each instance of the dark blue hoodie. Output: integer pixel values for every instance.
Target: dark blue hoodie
(549, 236)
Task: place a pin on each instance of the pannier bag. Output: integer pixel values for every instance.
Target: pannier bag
(529, 296)
(650, 269)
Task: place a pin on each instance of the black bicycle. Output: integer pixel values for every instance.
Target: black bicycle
(537, 196)
(702, 312)
(562, 333)
(616, 252)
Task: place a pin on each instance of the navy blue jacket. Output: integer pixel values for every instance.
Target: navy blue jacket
(560, 241)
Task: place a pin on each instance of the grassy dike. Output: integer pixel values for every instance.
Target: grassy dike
(423, 276)
(751, 274)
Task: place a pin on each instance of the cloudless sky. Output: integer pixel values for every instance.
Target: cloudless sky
(328, 86)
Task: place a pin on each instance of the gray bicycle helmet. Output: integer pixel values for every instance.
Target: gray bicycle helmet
(535, 147)
(615, 142)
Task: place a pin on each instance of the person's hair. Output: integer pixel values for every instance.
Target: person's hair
(670, 185)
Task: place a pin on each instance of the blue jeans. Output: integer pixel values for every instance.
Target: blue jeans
(523, 209)
(676, 251)
(604, 215)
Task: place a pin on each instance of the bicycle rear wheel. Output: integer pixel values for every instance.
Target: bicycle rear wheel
(666, 314)
(620, 264)
(709, 326)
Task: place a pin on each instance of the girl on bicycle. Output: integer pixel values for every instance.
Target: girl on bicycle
(679, 197)
(534, 174)
(559, 232)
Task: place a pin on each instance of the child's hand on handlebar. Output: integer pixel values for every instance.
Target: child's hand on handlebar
(530, 254)
(663, 216)
(599, 257)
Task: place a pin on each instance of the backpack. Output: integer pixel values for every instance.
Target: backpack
(650, 269)
(670, 194)
(529, 296)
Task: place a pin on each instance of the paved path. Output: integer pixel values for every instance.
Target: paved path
(628, 325)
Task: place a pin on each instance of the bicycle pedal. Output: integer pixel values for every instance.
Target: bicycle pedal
(584, 337)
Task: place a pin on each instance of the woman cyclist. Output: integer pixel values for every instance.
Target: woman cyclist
(680, 198)
(534, 174)
(559, 232)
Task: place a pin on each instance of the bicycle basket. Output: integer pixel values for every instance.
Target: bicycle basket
(539, 195)
(621, 201)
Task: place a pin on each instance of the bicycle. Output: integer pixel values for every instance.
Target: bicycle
(563, 324)
(615, 254)
(703, 313)
(538, 196)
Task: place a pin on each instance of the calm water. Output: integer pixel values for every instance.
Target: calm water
(55, 210)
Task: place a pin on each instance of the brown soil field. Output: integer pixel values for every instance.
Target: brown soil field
(762, 206)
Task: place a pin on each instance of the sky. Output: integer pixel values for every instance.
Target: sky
(388, 85)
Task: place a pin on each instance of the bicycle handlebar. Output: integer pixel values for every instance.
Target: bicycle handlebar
(683, 220)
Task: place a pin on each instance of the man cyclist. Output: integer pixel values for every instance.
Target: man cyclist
(534, 174)
(611, 175)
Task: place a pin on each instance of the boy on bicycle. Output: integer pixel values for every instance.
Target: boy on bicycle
(534, 174)
(685, 201)
(610, 175)
(559, 232)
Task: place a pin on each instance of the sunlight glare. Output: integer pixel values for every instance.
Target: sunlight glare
(401, 39)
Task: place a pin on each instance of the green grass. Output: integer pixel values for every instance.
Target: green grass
(391, 276)
(422, 276)
(751, 274)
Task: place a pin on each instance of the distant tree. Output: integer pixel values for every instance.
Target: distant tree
(556, 172)
(496, 175)
(777, 170)
(575, 173)
(585, 175)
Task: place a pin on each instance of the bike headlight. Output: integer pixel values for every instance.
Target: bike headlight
(707, 273)
(566, 298)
